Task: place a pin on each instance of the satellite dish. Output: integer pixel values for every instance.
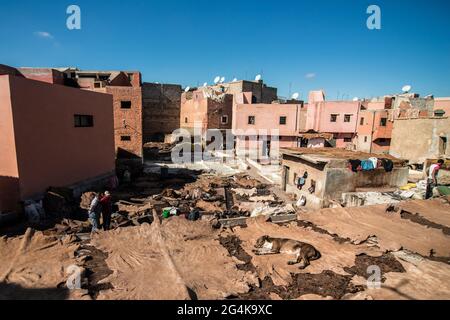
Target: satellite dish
(355, 99)
(205, 84)
(295, 96)
(217, 80)
(187, 89)
(406, 89)
(258, 77)
(235, 79)
(222, 80)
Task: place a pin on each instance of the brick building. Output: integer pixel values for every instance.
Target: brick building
(51, 136)
(126, 89)
(161, 105)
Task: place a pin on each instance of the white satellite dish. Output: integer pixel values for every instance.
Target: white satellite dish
(406, 88)
(222, 80)
(355, 99)
(235, 79)
(205, 84)
(217, 79)
(187, 89)
(258, 77)
(295, 96)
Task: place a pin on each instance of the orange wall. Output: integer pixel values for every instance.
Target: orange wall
(194, 109)
(50, 150)
(9, 184)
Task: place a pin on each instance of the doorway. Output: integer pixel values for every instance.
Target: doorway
(286, 173)
(442, 146)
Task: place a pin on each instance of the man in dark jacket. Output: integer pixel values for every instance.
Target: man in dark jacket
(106, 203)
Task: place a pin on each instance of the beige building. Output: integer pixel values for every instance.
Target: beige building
(418, 139)
(328, 176)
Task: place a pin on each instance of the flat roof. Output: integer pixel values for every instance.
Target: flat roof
(325, 155)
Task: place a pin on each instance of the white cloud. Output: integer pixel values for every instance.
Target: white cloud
(310, 75)
(43, 34)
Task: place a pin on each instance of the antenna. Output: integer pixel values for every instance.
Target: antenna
(406, 88)
(258, 77)
(187, 89)
(217, 79)
(295, 96)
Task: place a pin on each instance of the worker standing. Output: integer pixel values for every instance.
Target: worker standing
(106, 205)
(432, 181)
(94, 212)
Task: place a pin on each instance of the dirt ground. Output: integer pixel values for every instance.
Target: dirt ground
(148, 257)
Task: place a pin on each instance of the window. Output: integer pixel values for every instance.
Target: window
(365, 139)
(254, 99)
(251, 120)
(333, 118)
(224, 119)
(125, 138)
(362, 122)
(83, 121)
(347, 118)
(283, 120)
(186, 120)
(383, 122)
(347, 140)
(125, 104)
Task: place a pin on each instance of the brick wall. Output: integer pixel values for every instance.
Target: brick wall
(161, 110)
(127, 122)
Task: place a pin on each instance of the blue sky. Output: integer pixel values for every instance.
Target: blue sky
(297, 45)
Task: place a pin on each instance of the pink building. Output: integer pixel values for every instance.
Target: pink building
(51, 136)
(338, 118)
(252, 123)
(442, 104)
(206, 109)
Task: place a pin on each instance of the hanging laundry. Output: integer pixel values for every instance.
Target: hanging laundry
(367, 165)
(374, 161)
(355, 165)
(388, 165)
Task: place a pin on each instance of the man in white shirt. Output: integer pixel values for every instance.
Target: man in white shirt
(432, 181)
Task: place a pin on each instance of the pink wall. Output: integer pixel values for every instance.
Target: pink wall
(319, 115)
(50, 151)
(194, 110)
(444, 104)
(9, 174)
(198, 110)
(267, 116)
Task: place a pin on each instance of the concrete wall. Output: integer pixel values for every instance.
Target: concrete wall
(340, 180)
(419, 139)
(335, 178)
(161, 110)
(297, 168)
(43, 74)
(50, 150)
